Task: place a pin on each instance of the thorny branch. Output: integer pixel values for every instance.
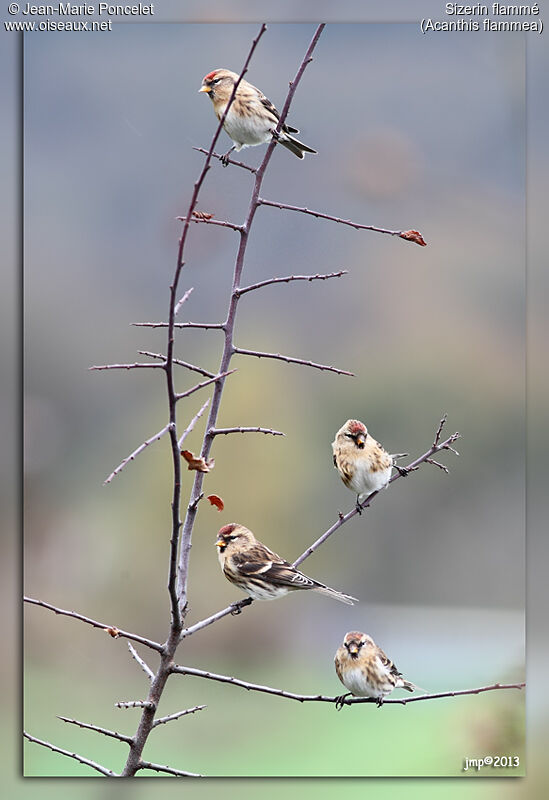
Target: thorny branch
(319, 698)
(181, 533)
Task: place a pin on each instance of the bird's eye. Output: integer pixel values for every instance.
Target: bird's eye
(215, 80)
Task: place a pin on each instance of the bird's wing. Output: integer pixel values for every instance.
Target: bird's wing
(389, 665)
(266, 103)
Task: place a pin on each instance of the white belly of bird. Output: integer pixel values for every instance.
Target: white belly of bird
(245, 131)
(356, 682)
(364, 481)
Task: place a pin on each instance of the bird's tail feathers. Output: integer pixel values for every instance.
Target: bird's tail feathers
(295, 146)
(343, 598)
(409, 686)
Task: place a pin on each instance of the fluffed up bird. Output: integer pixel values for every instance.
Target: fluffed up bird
(252, 118)
(364, 669)
(363, 464)
(259, 572)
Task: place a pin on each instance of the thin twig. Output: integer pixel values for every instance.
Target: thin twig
(221, 222)
(135, 704)
(319, 698)
(103, 770)
(358, 226)
(177, 715)
(161, 768)
(146, 669)
(179, 362)
(252, 287)
(110, 629)
(226, 160)
(135, 453)
(105, 731)
(290, 360)
(204, 325)
(192, 423)
(137, 365)
(198, 386)
(225, 431)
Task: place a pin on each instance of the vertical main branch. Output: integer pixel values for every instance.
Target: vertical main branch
(168, 367)
(228, 327)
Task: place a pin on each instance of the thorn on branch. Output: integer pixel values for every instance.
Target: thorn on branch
(146, 669)
(86, 761)
(198, 386)
(183, 299)
(169, 770)
(192, 423)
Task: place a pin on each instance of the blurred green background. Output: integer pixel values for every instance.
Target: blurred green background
(412, 132)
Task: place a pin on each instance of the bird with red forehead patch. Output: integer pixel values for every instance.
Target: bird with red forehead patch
(261, 573)
(251, 118)
(365, 670)
(363, 464)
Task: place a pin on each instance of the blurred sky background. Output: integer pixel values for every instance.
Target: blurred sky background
(412, 132)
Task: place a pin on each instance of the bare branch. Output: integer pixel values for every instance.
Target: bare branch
(204, 325)
(178, 361)
(110, 629)
(183, 300)
(343, 518)
(221, 222)
(103, 770)
(137, 365)
(358, 226)
(204, 623)
(443, 467)
(160, 768)
(252, 287)
(290, 360)
(192, 423)
(318, 698)
(113, 734)
(135, 453)
(225, 431)
(228, 160)
(198, 386)
(135, 704)
(177, 715)
(146, 669)
(228, 350)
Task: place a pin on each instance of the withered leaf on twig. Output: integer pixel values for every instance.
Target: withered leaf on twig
(197, 462)
(114, 632)
(202, 214)
(414, 236)
(216, 501)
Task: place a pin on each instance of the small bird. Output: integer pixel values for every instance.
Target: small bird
(259, 572)
(252, 118)
(363, 464)
(364, 669)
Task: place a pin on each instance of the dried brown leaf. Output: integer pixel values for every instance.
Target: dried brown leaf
(197, 462)
(202, 215)
(216, 501)
(414, 236)
(114, 632)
